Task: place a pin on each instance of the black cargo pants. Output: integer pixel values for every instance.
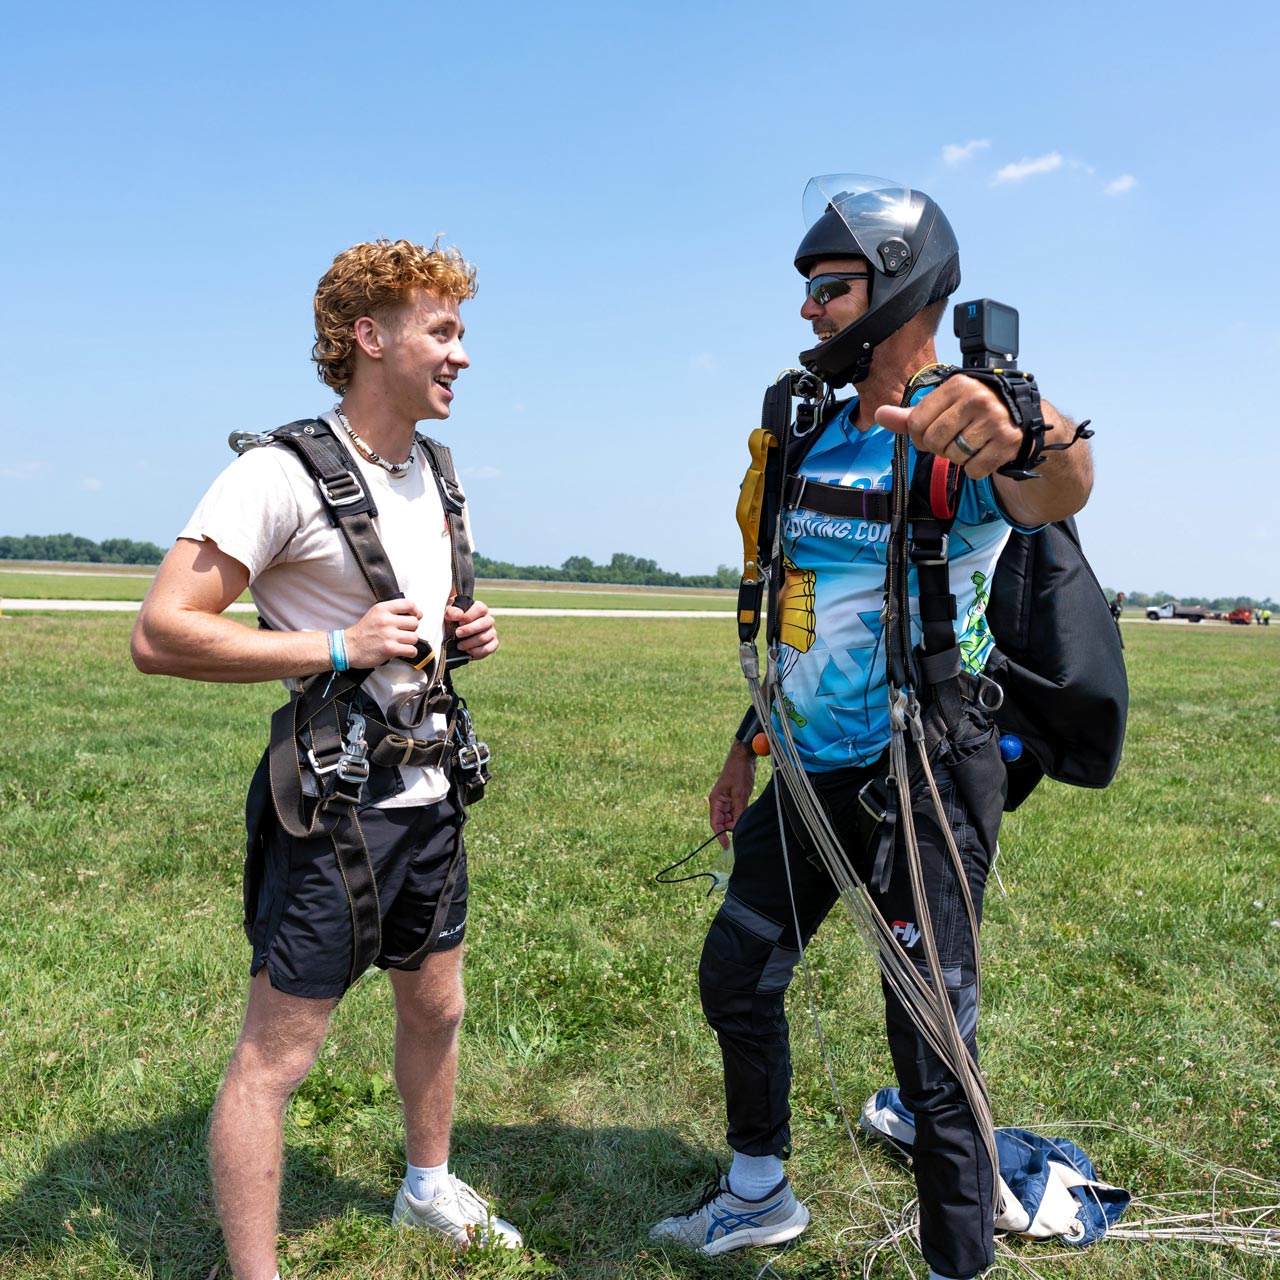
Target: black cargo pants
(750, 956)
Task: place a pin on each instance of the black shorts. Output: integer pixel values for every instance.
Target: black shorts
(299, 920)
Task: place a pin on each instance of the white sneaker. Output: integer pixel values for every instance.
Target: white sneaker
(458, 1213)
(722, 1221)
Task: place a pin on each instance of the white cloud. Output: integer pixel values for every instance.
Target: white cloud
(481, 473)
(955, 154)
(21, 471)
(1118, 186)
(1028, 168)
(92, 484)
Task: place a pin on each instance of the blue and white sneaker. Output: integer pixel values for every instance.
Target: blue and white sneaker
(722, 1221)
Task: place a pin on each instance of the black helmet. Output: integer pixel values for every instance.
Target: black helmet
(913, 253)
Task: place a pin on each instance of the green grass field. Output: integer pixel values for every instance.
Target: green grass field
(89, 585)
(1131, 973)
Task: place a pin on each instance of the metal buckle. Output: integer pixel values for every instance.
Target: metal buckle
(321, 769)
(453, 493)
(985, 682)
(473, 757)
(348, 483)
(353, 764)
(917, 556)
(243, 441)
(798, 500)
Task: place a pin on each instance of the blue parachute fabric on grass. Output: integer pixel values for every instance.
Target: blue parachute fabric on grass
(1049, 1187)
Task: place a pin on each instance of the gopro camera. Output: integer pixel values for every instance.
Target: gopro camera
(988, 333)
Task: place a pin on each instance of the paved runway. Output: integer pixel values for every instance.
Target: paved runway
(131, 606)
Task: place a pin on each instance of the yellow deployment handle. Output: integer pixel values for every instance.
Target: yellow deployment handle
(751, 501)
(750, 505)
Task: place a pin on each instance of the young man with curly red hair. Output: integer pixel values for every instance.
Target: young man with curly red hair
(389, 342)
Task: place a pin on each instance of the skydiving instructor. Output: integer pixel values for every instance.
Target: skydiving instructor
(879, 263)
(351, 535)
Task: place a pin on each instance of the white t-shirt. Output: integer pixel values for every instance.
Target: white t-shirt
(264, 511)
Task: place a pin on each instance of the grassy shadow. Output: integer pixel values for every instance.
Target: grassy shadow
(142, 1195)
(584, 1197)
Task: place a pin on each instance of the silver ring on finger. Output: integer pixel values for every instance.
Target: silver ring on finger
(963, 445)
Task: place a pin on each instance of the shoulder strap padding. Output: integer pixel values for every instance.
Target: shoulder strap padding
(454, 501)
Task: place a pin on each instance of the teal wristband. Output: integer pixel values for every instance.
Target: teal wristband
(338, 650)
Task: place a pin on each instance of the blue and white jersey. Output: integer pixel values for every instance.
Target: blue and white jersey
(833, 668)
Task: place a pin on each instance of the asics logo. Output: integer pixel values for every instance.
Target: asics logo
(726, 1222)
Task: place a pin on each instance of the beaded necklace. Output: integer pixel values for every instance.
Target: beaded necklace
(395, 468)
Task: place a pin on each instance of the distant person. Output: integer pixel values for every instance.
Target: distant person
(382, 880)
(878, 265)
(1266, 617)
(1117, 606)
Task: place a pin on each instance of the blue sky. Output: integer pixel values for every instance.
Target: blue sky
(628, 180)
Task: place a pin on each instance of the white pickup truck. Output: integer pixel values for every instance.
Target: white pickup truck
(1172, 609)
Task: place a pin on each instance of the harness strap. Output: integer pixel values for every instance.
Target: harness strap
(401, 751)
(463, 553)
(335, 814)
(762, 497)
(351, 509)
(836, 500)
(933, 502)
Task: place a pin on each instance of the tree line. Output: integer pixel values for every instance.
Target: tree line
(69, 549)
(622, 569)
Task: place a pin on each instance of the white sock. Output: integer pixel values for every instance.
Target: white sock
(753, 1177)
(426, 1184)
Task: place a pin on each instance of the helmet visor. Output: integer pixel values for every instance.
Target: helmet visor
(873, 209)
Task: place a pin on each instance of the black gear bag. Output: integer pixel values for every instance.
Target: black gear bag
(1059, 660)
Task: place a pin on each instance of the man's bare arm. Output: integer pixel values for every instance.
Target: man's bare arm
(964, 407)
(181, 630)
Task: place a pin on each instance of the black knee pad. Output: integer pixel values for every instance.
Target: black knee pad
(744, 963)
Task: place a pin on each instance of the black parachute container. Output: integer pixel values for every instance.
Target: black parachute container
(1059, 661)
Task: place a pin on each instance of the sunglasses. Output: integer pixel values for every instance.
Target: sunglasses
(825, 287)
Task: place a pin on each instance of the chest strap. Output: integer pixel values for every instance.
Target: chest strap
(836, 499)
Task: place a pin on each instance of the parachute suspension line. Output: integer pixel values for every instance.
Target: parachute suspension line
(822, 1040)
(927, 1004)
(939, 1022)
(955, 1053)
